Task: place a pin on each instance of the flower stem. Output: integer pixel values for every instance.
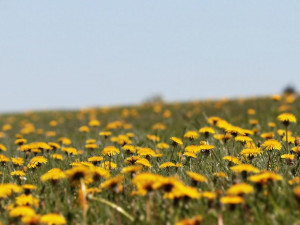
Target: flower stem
(286, 139)
(114, 206)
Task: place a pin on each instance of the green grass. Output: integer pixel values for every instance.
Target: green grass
(279, 206)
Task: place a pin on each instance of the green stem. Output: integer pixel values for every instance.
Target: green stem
(286, 139)
(114, 206)
(84, 209)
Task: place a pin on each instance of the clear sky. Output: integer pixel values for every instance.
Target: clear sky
(71, 54)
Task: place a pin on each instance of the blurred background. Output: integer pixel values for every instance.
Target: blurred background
(73, 54)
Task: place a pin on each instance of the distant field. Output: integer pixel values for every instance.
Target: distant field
(208, 162)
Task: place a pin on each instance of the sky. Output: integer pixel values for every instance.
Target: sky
(62, 54)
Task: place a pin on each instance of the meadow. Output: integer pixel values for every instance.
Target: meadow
(229, 161)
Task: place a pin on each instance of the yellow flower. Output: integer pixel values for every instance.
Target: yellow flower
(289, 138)
(146, 152)
(91, 146)
(94, 123)
(206, 131)
(251, 111)
(167, 165)
(28, 188)
(64, 141)
(196, 176)
(105, 133)
(234, 130)
(70, 151)
(18, 173)
(209, 195)
(113, 182)
(296, 191)
(8, 188)
(162, 145)
(192, 135)
(2, 148)
(17, 161)
(271, 144)
(159, 126)
(35, 146)
(95, 159)
(143, 162)
(241, 188)
(295, 180)
(121, 140)
(110, 151)
(251, 152)
(4, 159)
(253, 122)
(84, 129)
(54, 146)
(206, 147)
(37, 161)
(213, 120)
(296, 149)
(244, 168)
(243, 139)
(20, 141)
(6, 127)
(57, 156)
(192, 221)
(132, 169)
(267, 135)
(231, 200)
(176, 141)
(287, 156)
(21, 211)
(78, 172)
(53, 219)
(109, 165)
(50, 133)
(27, 200)
(145, 182)
(276, 97)
(220, 174)
(32, 219)
(287, 118)
(129, 148)
(54, 174)
(178, 190)
(100, 172)
(91, 141)
(190, 154)
(192, 148)
(153, 138)
(264, 177)
(232, 159)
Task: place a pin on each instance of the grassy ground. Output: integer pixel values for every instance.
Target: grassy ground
(153, 195)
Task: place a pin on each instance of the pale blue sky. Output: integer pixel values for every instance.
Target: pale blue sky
(71, 54)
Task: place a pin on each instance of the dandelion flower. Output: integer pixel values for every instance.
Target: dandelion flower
(271, 144)
(238, 189)
(287, 118)
(244, 168)
(110, 151)
(53, 219)
(196, 176)
(265, 177)
(231, 200)
(192, 221)
(176, 141)
(21, 211)
(192, 135)
(167, 165)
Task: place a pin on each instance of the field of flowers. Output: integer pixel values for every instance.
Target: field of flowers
(207, 162)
